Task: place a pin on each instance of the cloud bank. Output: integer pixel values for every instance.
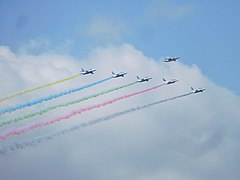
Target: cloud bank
(196, 137)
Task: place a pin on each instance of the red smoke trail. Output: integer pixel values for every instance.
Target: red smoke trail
(26, 128)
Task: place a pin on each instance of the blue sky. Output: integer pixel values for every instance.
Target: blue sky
(201, 32)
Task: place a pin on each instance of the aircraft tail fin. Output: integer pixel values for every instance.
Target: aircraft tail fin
(138, 77)
(82, 69)
(113, 73)
(192, 89)
(164, 79)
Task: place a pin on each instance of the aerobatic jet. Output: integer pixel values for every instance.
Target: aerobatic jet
(88, 71)
(143, 79)
(170, 81)
(197, 90)
(116, 75)
(172, 58)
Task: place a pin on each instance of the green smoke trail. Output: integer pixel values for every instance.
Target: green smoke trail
(45, 110)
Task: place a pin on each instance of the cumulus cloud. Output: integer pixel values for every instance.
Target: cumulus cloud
(196, 137)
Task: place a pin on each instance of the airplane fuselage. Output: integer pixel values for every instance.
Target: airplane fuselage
(198, 90)
(169, 59)
(144, 79)
(121, 74)
(172, 81)
(89, 71)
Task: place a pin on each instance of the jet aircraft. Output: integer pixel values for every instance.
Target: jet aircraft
(172, 58)
(170, 81)
(197, 90)
(116, 75)
(88, 71)
(143, 79)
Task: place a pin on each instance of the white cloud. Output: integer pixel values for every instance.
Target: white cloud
(196, 137)
(163, 8)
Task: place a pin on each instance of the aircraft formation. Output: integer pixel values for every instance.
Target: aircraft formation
(167, 59)
(30, 126)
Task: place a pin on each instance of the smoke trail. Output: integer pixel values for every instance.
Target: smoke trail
(40, 139)
(22, 130)
(45, 110)
(38, 87)
(49, 97)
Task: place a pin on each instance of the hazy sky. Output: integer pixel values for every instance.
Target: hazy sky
(196, 137)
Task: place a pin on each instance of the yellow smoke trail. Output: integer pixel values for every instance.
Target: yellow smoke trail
(38, 87)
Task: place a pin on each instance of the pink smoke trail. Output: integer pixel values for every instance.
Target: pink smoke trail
(26, 128)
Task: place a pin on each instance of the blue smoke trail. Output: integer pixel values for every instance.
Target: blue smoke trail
(49, 97)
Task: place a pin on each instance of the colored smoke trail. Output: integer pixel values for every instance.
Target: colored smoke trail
(40, 139)
(45, 110)
(31, 126)
(51, 96)
(38, 87)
